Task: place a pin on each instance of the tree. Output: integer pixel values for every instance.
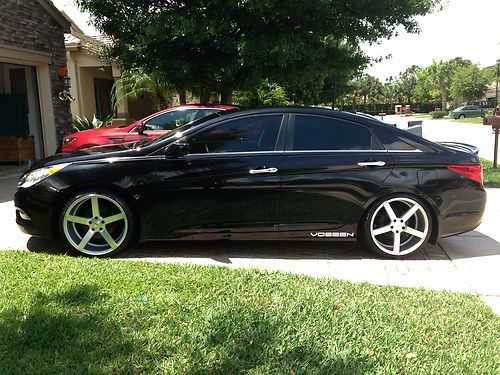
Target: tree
(135, 84)
(439, 76)
(424, 91)
(408, 81)
(469, 83)
(216, 45)
(391, 92)
(368, 87)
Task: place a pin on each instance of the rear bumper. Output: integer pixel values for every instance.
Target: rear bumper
(462, 213)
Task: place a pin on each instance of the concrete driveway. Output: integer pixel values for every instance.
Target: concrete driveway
(467, 263)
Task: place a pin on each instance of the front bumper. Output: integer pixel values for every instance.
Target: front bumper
(35, 207)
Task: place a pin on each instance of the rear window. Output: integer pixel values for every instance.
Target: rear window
(394, 142)
(321, 133)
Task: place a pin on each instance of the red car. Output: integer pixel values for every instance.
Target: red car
(152, 126)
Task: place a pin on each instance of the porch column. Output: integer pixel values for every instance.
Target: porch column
(122, 115)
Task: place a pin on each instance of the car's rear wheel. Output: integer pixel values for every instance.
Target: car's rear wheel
(97, 223)
(461, 116)
(397, 226)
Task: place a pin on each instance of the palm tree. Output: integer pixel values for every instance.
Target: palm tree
(136, 84)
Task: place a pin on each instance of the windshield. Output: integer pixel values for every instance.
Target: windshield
(181, 129)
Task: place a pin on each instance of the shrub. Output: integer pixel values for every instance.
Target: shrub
(83, 123)
(266, 94)
(438, 114)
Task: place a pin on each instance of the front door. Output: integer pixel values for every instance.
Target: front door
(103, 89)
(226, 187)
(331, 168)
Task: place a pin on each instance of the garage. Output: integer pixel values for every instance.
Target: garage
(32, 54)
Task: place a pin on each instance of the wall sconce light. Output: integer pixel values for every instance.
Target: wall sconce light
(65, 94)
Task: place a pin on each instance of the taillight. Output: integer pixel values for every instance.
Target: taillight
(472, 172)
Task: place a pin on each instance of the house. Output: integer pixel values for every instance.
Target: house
(32, 53)
(92, 79)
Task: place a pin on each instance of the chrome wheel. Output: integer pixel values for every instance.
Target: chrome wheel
(399, 226)
(95, 224)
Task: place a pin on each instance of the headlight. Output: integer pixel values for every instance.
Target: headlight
(68, 140)
(39, 174)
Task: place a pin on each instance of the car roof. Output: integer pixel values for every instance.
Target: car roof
(349, 116)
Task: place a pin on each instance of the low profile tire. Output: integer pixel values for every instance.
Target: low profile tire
(461, 117)
(96, 223)
(397, 226)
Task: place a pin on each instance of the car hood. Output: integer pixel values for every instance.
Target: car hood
(108, 130)
(91, 153)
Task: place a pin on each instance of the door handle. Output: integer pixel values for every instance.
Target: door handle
(378, 163)
(263, 170)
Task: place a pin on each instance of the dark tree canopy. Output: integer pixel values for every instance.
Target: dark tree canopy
(222, 45)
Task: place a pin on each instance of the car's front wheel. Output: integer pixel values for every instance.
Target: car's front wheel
(461, 117)
(96, 223)
(397, 226)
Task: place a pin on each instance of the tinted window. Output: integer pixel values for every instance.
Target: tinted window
(174, 119)
(249, 134)
(320, 133)
(394, 143)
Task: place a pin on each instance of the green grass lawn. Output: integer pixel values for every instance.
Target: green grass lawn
(74, 315)
(473, 120)
(491, 176)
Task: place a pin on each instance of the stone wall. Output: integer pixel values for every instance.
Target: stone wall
(26, 24)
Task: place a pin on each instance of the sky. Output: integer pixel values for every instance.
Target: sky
(464, 28)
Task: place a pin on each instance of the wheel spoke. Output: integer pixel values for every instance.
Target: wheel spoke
(85, 240)
(381, 230)
(389, 211)
(78, 219)
(107, 237)
(113, 218)
(414, 232)
(410, 213)
(95, 206)
(397, 243)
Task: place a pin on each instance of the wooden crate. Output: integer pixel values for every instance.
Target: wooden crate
(17, 149)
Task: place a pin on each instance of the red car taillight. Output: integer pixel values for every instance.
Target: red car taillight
(472, 172)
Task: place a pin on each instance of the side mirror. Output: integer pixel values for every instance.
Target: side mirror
(177, 150)
(140, 128)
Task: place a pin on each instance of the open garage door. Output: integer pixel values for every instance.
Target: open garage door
(20, 121)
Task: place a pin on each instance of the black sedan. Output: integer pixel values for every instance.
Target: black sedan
(274, 174)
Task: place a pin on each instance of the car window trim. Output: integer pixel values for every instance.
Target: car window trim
(284, 152)
(236, 153)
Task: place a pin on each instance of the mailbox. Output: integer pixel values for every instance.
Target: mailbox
(494, 121)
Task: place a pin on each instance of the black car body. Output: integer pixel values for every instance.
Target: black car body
(274, 173)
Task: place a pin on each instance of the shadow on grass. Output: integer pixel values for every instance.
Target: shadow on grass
(243, 341)
(74, 331)
(65, 332)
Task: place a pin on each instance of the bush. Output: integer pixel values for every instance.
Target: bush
(266, 94)
(83, 123)
(438, 114)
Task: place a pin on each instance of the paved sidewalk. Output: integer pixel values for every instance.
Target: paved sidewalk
(467, 263)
